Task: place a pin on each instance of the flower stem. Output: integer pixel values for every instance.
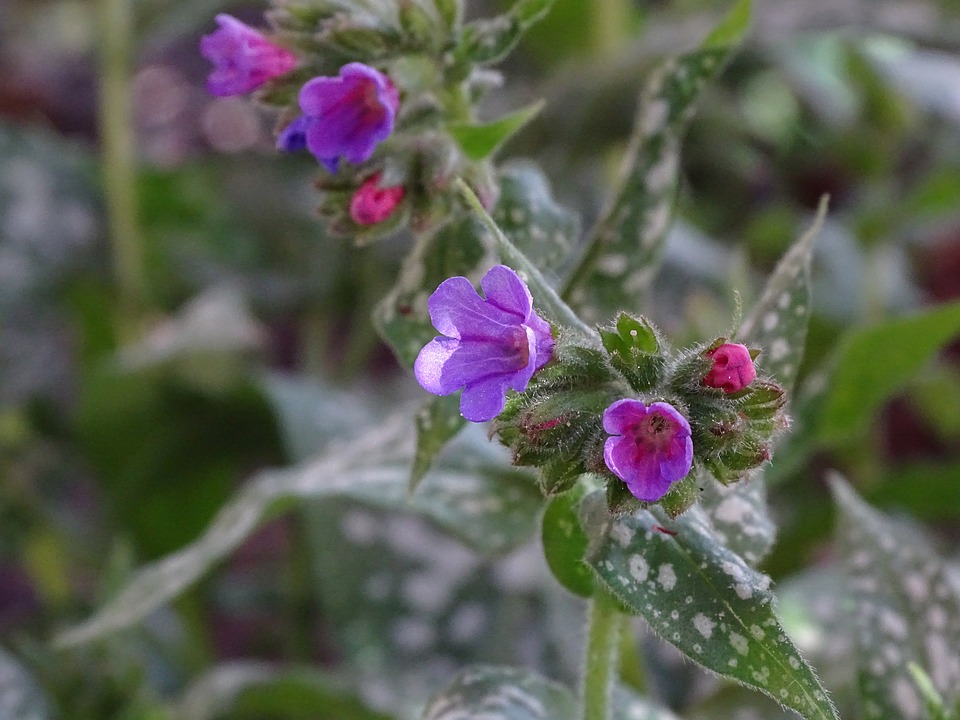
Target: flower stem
(600, 665)
(115, 24)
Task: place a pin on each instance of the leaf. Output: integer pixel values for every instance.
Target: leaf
(458, 248)
(486, 42)
(625, 245)
(489, 507)
(565, 543)
(876, 362)
(480, 141)
(739, 516)
(705, 600)
(245, 689)
(438, 421)
(20, 696)
(905, 609)
(500, 693)
(778, 322)
(539, 227)
(931, 698)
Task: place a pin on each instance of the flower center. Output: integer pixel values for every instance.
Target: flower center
(520, 347)
(653, 432)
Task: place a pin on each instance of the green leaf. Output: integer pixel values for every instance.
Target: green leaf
(20, 696)
(732, 28)
(565, 543)
(778, 321)
(874, 363)
(625, 245)
(488, 506)
(247, 689)
(739, 516)
(458, 248)
(932, 700)
(486, 42)
(705, 600)
(539, 227)
(905, 609)
(480, 141)
(438, 421)
(500, 693)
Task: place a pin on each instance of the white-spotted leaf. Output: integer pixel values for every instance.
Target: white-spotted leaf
(739, 516)
(705, 600)
(625, 245)
(906, 608)
(501, 693)
(777, 324)
(488, 506)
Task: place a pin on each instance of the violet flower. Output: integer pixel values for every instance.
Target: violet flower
(343, 117)
(649, 448)
(243, 58)
(487, 345)
(732, 369)
(372, 204)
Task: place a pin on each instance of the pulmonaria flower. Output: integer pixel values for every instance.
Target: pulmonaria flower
(372, 204)
(487, 345)
(343, 117)
(732, 368)
(649, 448)
(243, 58)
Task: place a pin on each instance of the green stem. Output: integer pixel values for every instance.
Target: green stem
(631, 663)
(119, 160)
(599, 672)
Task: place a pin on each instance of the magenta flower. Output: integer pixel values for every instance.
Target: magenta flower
(343, 117)
(649, 448)
(243, 58)
(487, 345)
(732, 368)
(372, 204)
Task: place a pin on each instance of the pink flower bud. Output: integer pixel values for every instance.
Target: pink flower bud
(732, 368)
(372, 204)
(243, 58)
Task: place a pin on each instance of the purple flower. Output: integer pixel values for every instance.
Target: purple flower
(243, 58)
(649, 448)
(487, 346)
(732, 369)
(343, 117)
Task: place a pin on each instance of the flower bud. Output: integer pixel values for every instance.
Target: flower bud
(372, 204)
(732, 368)
(635, 351)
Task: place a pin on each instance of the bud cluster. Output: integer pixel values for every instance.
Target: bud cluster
(643, 416)
(377, 92)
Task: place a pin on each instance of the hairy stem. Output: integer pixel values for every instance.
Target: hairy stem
(600, 664)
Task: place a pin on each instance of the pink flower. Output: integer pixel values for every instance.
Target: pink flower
(243, 58)
(650, 447)
(343, 117)
(372, 204)
(732, 368)
(487, 346)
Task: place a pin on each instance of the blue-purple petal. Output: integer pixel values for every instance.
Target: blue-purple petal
(457, 311)
(504, 289)
(483, 400)
(622, 414)
(428, 367)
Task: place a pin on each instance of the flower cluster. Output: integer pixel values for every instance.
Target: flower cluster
(631, 415)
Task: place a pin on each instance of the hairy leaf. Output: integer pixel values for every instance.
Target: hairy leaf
(438, 421)
(739, 516)
(905, 609)
(490, 508)
(625, 245)
(565, 543)
(486, 42)
(705, 600)
(778, 322)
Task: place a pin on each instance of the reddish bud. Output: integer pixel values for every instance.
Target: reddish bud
(732, 368)
(372, 204)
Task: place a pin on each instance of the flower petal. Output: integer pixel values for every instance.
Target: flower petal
(476, 360)
(682, 427)
(484, 400)
(429, 365)
(457, 311)
(675, 464)
(504, 288)
(622, 414)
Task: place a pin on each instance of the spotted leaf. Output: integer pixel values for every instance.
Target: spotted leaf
(705, 600)
(906, 609)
